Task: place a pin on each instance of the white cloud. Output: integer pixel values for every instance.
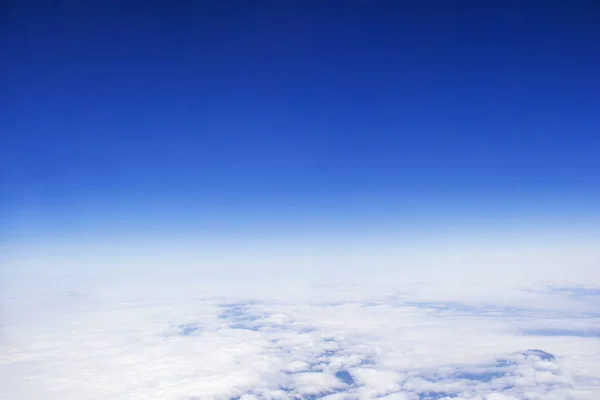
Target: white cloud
(412, 329)
(348, 342)
(395, 396)
(314, 383)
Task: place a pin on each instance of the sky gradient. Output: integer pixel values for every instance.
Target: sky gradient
(269, 118)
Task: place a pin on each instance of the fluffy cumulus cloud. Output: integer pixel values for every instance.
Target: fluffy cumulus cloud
(334, 343)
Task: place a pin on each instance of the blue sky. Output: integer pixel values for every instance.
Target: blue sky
(253, 118)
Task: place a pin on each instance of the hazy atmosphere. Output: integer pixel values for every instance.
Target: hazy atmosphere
(288, 200)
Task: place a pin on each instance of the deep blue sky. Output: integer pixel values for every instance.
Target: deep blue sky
(149, 115)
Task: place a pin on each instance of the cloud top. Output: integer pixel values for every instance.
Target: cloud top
(333, 345)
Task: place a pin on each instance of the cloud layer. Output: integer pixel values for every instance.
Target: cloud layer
(336, 342)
